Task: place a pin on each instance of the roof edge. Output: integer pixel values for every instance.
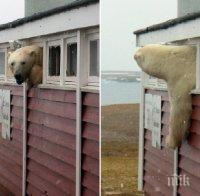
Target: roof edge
(168, 23)
(40, 15)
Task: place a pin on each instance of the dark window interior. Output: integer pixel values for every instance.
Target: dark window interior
(54, 61)
(94, 58)
(71, 59)
(2, 63)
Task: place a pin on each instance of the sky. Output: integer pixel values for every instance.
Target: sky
(11, 10)
(119, 18)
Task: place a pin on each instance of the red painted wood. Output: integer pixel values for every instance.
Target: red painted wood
(54, 122)
(67, 110)
(90, 148)
(88, 192)
(17, 101)
(90, 165)
(54, 150)
(187, 191)
(53, 95)
(165, 106)
(151, 191)
(195, 127)
(53, 178)
(91, 114)
(91, 99)
(17, 123)
(90, 181)
(90, 131)
(52, 163)
(44, 185)
(32, 191)
(52, 135)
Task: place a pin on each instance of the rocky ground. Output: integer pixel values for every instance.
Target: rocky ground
(120, 125)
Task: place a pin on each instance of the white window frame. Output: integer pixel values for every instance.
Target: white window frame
(69, 40)
(92, 35)
(53, 79)
(3, 76)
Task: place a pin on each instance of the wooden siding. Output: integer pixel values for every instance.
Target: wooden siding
(158, 164)
(90, 144)
(51, 142)
(11, 151)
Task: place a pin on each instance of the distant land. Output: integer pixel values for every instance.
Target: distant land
(121, 76)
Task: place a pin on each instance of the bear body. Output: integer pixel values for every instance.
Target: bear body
(26, 65)
(177, 66)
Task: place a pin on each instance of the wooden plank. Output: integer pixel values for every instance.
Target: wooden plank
(165, 153)
(31, 190)
(52, 135)
(16, 123)
(189, 166)
(86, 192)
(90, 165)
(90, 181)
(165, 106)
(54, 122)
(66, 110)
(190, 152)
(16, 134)
(15, 89)
(164, 166)
(54, 150)
(194, 140)
(10, 186)
(53, 178)
(164, 94)
(165, 118)
(17, 101)
(90, 148)
(17, 112)
(90, 131)
(44, 186)
(91, 99)
(53, 164)
(53, 95)
(193, 181)
(149, 190)
(187, 191)
(90, 114)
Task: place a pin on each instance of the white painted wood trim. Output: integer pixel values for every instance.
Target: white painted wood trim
(182, 31)
(198, 67)
(82, 17)
(24, 174)
(175, 187)
(78, 118)
(141, 138)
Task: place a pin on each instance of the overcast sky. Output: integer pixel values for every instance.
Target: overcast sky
(120, 19)
(11, 10)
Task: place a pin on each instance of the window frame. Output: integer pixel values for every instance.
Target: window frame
(69, 40)
(3, 77)
(92, 35)
(52, 79)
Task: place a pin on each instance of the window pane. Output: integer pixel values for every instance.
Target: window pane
(94, 58)
(2, 63)
(71, 59)
(54, 61)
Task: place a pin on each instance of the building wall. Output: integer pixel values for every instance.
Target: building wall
(51, 143)
(34, 6)
(188, 6)
(158, 164)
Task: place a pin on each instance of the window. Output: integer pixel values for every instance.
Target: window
(54, 61)
(71, 59)
(2, 63)
(94, 58)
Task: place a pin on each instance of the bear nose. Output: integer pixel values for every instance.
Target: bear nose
(136, 55)
(18, 76)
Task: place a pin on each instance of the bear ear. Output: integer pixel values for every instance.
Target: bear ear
(32, 53)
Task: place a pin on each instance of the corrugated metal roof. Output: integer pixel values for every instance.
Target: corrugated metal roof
(168, 23)
(40, 15)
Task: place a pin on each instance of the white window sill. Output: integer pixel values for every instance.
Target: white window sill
(58, 87)
(90, 89)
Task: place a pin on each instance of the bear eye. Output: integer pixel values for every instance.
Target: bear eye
(12, 63)
(23, 63)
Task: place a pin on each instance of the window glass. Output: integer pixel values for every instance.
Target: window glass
(2, 63)
(71, 59)
(54, 61)
(94, 58)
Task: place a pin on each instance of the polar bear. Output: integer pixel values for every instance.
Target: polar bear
(177, 66)
(26, 65)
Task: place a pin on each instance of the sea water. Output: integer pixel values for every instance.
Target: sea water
(119, 92)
